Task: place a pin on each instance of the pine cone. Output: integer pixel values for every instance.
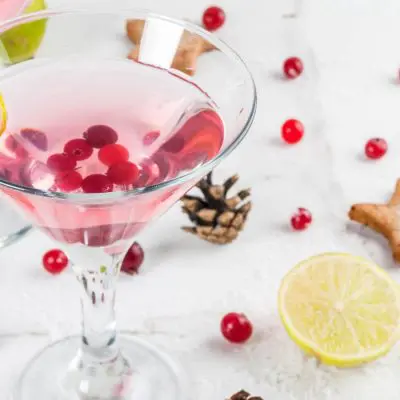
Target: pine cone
(242, 395)
(218, 219)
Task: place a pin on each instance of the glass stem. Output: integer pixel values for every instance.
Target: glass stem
(98, 317)
(98, 290)
(99, 371)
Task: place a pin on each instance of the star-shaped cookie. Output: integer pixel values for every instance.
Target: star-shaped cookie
(190, 47)
(382, 218)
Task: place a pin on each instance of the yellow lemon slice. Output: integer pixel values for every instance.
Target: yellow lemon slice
(3, 115)
(343, 309)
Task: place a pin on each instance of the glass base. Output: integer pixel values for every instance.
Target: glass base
(154, 375)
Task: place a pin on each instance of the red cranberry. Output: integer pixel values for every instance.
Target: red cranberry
(15, 146)
(55, 261)
(292, 131)
(113, 153)
(293, 67)
(97, 183)
(151, 137)
(123, 173)
(61, 162)
(100, 135)
(133, 259)
(236, 328)
(36, 138)
(79, 149)
(376, 148)
(68, 181)
(213, 18)
(301, 219)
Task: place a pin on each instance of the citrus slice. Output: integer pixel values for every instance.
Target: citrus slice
(3, 115)
(343, 309)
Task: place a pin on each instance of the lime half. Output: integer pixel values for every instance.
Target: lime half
(343, 309)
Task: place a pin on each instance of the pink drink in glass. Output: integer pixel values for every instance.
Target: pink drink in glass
(166, 124)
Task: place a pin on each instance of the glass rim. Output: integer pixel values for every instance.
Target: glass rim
(187, 176)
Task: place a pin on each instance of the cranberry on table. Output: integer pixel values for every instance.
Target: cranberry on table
(293, 67)
(236, 327)
(36, 138)
(55, 261)
(113, 153)
(97, 183)
(79, 149)
(61, 162)
(68, 181)
(292, 131)
(213, 18)
(133, 259)
(123, 173)
(99, 136)
(376, 148)
(301, 219)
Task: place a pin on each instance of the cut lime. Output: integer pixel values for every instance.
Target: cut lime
(343, 309)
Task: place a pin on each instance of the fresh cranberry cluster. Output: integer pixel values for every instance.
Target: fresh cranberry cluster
(198, 140)
(113, 155)
(65, 165)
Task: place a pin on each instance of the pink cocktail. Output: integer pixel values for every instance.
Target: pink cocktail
(96, 147)
(171, 127)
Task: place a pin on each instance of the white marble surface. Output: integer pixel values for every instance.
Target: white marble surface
(346, 95)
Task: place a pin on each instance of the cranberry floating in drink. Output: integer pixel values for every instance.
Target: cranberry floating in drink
(95, 147)
(35, 138)
(123, 173)
(99, 136)
(79, 149)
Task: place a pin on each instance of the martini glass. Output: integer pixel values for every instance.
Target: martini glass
(98, 145)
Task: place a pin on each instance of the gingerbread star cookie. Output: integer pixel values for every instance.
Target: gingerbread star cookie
(382, 218)
(190, 47)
